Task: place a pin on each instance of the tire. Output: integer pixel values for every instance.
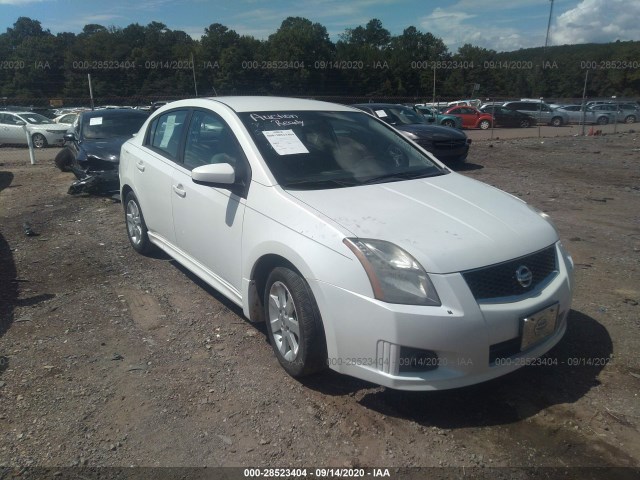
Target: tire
(630, 119)
(63, 160)
(602, 120)
(556, 121)
(525, 124)
(448, 123)
(136, 226)
(293, 322)
(38, 140)
(484, 124)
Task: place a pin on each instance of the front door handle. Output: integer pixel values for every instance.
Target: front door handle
(140, 166)
(179, 191)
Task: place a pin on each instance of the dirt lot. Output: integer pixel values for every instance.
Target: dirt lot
(109, 358)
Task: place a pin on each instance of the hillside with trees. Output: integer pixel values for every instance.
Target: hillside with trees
(153, 61)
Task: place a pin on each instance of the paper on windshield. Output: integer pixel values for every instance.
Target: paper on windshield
(381, 113)
(285, 142)
(95, 121)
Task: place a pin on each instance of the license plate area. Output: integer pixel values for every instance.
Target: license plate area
(538, 326)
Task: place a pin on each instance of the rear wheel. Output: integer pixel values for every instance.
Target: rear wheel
(293, 323)
(630, 119)
(484, 124)
(602, 120)
(38, 140)
(556, 121)
(136, 227)
(525, 123)
(448, 123)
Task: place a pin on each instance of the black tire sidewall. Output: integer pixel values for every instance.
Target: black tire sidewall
(145, 245)
(312, 355)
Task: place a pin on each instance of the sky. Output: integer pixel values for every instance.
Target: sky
(502, 25)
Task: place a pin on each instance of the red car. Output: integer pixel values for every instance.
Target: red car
(471, 117)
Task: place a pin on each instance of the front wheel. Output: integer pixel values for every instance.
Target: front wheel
(293, 323)
(38, 140)
(136, 227)
(484, 124)
(556, 121)
(602, 120)
(448, 123)
(630, 119)
(524, 123)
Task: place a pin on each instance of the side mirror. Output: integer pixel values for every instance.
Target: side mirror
(20, 123)
(214, 173)
(70, 137)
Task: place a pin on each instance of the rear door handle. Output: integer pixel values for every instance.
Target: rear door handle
(179, 191)
(140, 166)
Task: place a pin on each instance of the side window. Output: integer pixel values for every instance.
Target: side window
(210, 140)
(3, 118)
(165, 133)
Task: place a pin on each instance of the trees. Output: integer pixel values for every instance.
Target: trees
(299, 58)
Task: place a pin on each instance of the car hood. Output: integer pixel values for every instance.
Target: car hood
(432, 132)
(448, 223)
(107, 148)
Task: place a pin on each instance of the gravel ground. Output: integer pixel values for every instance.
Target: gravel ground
(109, 358)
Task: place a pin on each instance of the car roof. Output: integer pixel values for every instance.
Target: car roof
(103, 112)
(260, 104)
(379, 105)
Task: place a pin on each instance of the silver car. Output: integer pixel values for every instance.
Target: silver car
(624, 112)
(542, 112)
(43, 131)
(577, 115)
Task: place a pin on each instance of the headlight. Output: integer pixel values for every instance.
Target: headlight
(395, 276)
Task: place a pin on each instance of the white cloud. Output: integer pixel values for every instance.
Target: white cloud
(456, 27)
(19, 2)
(597, 21)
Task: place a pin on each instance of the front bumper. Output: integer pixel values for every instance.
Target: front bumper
(365, 337)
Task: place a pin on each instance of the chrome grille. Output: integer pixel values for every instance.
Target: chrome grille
(499, 281)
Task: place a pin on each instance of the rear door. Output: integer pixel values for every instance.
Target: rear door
(154, 167)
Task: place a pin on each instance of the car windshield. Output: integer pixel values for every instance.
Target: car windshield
(35, 118)
(308, 150)
(398, 115)
(112, 126)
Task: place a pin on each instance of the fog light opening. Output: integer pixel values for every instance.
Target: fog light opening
(417, 360)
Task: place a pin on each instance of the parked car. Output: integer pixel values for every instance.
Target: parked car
(43, 131)
(66, 118)
(508, 118)
(626, 115)
(448, 144)
(589, 115)
(542, 112)
(434, 116)
(93, 146)
(361, 251)
(471, 117)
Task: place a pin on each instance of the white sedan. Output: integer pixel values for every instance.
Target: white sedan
(361, 251)
(43, 131)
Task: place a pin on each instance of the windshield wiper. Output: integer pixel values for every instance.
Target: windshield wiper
(399, 176)
(311, 184)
